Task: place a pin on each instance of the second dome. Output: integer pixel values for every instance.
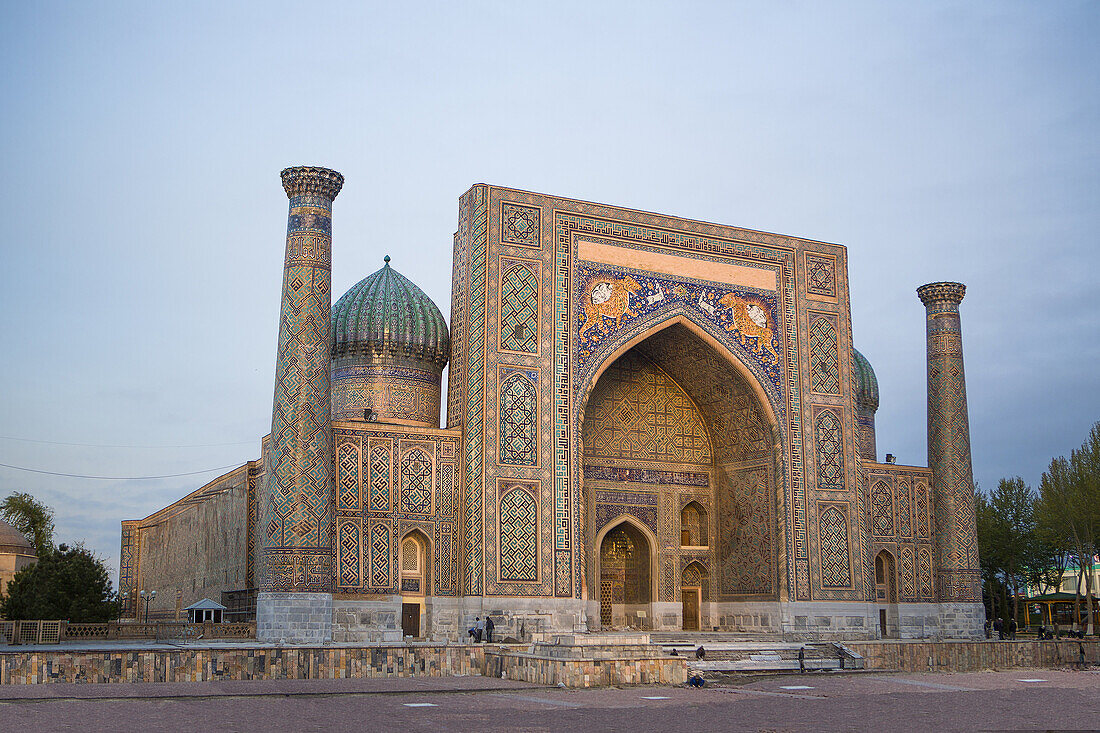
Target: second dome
(389, 346)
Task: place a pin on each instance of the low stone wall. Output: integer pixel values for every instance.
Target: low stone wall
(972, 656)
(255, 663)
(546, 670)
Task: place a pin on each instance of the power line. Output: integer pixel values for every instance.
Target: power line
(106, 445)
(119, 478)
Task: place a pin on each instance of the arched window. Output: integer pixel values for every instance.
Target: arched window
(885, 578)
(693, 525)
(519, 310)
(517, 421)
(414, 562)
(830, 459)
(518, 536)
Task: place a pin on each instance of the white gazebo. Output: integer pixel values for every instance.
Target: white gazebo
(205, 610)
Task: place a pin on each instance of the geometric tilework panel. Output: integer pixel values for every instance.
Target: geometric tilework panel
(835, 563)
(520, 224)
(824, 370)
(905, 524)
(518, 532)
(416, 482)
(347, 551)
(925, 570)
(446, 490)
(882, 510)
(746, 545)
(637, 411)
(380, 478)
(519, 315)
(518, 445)
(380, 555)
(347, 456)
(821, 275)
(923, 523)
(908, 574)
(830, 460)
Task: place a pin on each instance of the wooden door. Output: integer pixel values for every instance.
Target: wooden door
(410, 619)
(882, 622)
(691, 608)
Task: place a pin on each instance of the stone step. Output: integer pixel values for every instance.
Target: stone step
(763, 666)
(763, 653)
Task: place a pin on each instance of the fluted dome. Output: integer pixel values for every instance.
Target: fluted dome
(386, 313)
(866, 383)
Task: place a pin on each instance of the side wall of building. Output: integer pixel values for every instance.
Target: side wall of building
(193, 549)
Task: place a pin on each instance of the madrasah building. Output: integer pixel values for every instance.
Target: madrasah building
(652, 423)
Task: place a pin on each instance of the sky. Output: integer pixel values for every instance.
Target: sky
(143, 143)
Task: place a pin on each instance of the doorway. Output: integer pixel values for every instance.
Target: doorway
(624, 577)
(886, 593)
(693, 589)
(414, 563)
(691, 608)
(410, 619)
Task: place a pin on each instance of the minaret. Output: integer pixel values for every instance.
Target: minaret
(958, 586)
(296, 523)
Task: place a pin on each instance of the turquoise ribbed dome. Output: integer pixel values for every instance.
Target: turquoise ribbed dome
(866, 382)
(385, 312)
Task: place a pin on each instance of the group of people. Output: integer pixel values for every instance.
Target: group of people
(1007, 630)
(1003, 629)
(482, 630)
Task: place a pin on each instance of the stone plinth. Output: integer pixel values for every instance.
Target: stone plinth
(294, 618)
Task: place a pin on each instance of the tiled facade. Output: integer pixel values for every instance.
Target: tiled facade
(692, 385)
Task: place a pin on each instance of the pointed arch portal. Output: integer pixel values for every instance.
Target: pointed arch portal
(678, 439)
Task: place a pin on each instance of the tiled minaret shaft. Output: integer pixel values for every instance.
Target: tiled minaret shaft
(298, 515)
(956, 544)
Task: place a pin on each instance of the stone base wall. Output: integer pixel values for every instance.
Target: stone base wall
(294, 618)
(367, 621)
(962, 620)
(973, 656)
(448, 619)
(761, 617)
(253, 663)
(599, 668)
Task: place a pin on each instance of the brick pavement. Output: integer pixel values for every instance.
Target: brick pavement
(1067, 700)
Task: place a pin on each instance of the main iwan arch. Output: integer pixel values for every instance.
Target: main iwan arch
(652, 422)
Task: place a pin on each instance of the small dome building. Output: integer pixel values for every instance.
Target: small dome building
(866, 405)
(16, 553)
(389, 346)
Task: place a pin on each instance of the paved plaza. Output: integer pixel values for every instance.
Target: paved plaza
(1017, 700)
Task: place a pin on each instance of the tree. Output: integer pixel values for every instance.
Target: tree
(1014, 552)
(1069, 512)
(31, 517)
(66, 583)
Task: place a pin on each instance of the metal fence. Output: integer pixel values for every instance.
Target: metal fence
(56, 632)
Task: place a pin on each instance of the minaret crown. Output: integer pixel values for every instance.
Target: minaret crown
(312, 180)
(942, 292)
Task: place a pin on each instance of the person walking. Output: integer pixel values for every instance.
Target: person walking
(1012, 628)
(489, 626)
(999, 628)
(480, 629)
